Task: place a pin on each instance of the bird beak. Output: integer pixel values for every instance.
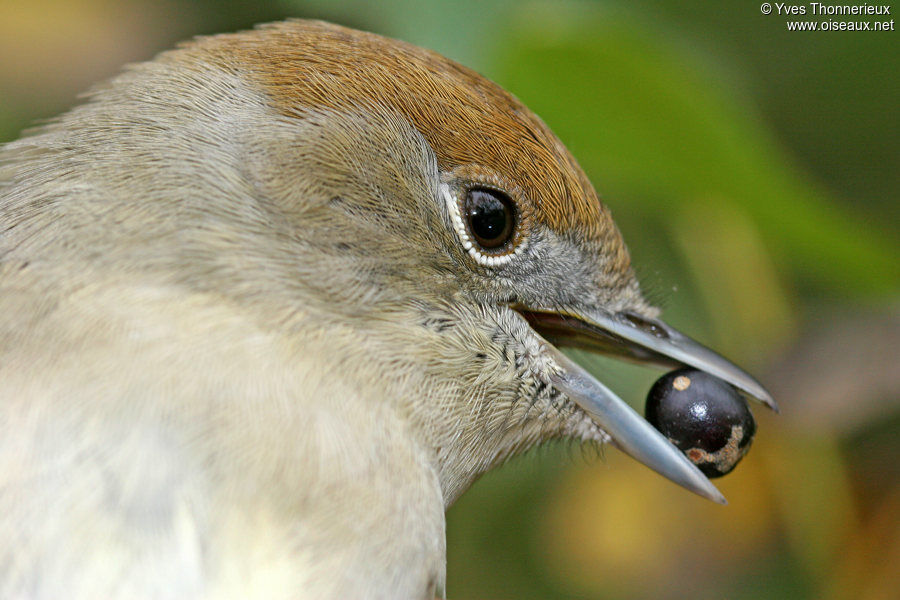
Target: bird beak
(641, 339)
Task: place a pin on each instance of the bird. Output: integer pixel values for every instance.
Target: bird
(273, 300)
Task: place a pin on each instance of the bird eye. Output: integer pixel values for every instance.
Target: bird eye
(490, 216)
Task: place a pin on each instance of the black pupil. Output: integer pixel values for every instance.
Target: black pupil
(490, 216)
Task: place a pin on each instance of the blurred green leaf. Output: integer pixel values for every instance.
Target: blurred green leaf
(464, 30)
(652, 123)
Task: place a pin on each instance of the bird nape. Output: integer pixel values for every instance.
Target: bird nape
(272, 301)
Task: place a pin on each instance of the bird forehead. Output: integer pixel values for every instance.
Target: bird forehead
(467, 119)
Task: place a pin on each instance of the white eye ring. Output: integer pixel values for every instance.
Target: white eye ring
(487, 260)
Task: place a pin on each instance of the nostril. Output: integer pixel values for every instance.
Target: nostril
(650, 326)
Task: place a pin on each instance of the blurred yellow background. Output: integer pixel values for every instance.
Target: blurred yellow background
(754, 173)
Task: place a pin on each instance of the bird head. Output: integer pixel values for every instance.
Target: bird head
(480, 220)
(382, 200)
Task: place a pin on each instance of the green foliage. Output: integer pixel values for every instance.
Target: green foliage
(659, 130)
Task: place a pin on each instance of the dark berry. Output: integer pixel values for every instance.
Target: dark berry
(704, 417)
